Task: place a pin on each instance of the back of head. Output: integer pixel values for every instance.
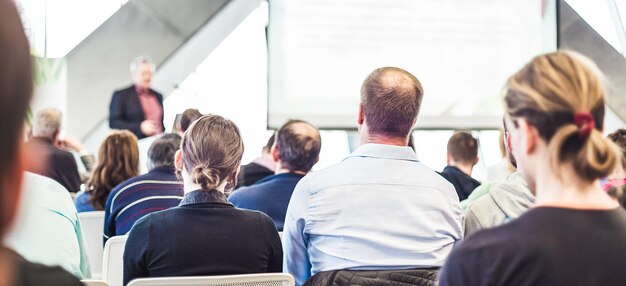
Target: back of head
(270, 143)
(189, 116)
(47, 123)
(562, 96)
(211, 152)
(16, 86)
(619, 138)
(162, 151)
(118, 161)
(391, 99)
(463, 148)
(299, 144)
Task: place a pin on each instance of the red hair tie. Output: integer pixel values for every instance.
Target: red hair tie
(585, 122)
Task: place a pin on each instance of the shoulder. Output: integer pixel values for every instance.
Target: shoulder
(479, 248)
(240, 194)
(36, 183)
(126, 90)
(46, 192)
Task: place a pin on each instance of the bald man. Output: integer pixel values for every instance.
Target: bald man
(380, 208)
(295, 152)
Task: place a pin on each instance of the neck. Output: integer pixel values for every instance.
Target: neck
(367, 138)
(465, 168)
(281, 170)
(189, 185)
(569, 191)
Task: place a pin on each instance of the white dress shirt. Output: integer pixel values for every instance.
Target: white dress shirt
(378, 209)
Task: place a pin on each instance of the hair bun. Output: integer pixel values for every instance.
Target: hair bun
(208, 178)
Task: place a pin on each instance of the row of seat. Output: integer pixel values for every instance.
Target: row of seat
(262, 279)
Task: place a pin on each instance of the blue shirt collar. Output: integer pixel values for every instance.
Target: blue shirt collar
(384, 151)
(204, 197)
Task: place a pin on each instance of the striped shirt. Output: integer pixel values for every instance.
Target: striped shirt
(157, 190)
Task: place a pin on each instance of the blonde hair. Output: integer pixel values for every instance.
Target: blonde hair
(550, 92)
(211, 152)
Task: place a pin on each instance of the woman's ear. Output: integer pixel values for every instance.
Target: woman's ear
(530, 136)
(178, 160)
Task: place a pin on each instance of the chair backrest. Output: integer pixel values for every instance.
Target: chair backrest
(263, 279)
(92, 224)
(89, 282)
(113, 260)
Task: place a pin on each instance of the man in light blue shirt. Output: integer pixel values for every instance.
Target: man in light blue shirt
(379, 208)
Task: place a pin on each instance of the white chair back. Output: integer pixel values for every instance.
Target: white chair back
(89, 282)
(263, 279)
(113, 260)
(92, 224)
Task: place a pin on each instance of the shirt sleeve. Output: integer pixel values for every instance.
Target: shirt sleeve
(471, 222)
(296, 260)
(109, 219)
(136, 251)
(460, 269)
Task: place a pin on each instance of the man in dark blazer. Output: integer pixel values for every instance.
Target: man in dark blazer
(138, 108)
(60, 165)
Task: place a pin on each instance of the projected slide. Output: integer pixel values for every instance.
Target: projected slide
(462, 51)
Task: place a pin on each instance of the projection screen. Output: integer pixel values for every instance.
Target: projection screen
(462, 51)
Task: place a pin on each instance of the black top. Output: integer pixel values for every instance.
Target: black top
(28, 273)
(270, 195)
(125, 111)
(205, 235)
(251, 174)
(544, 246)
(60, 164)
(463, 184)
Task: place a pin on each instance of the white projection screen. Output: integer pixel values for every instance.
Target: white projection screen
(462, 51)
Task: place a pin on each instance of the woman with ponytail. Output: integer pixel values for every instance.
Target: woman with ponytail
(204, 235)
(575, 232)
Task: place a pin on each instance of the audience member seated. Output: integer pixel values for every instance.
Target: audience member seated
(60, 164)
(502, 201)
(508, 163)
(189, 116)
(87, 159)
(118, 161)
(258, 169)
(554, 108)
(157, 190)
(297, 149)
(502, 170)
(462, 156)
(380, 208)
(204, 235)
(617, 178)
(16, 88)
(47, 229)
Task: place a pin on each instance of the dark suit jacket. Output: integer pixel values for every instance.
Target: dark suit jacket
(60, 164)
(125, 111)
(270, 196)
(205, 235)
